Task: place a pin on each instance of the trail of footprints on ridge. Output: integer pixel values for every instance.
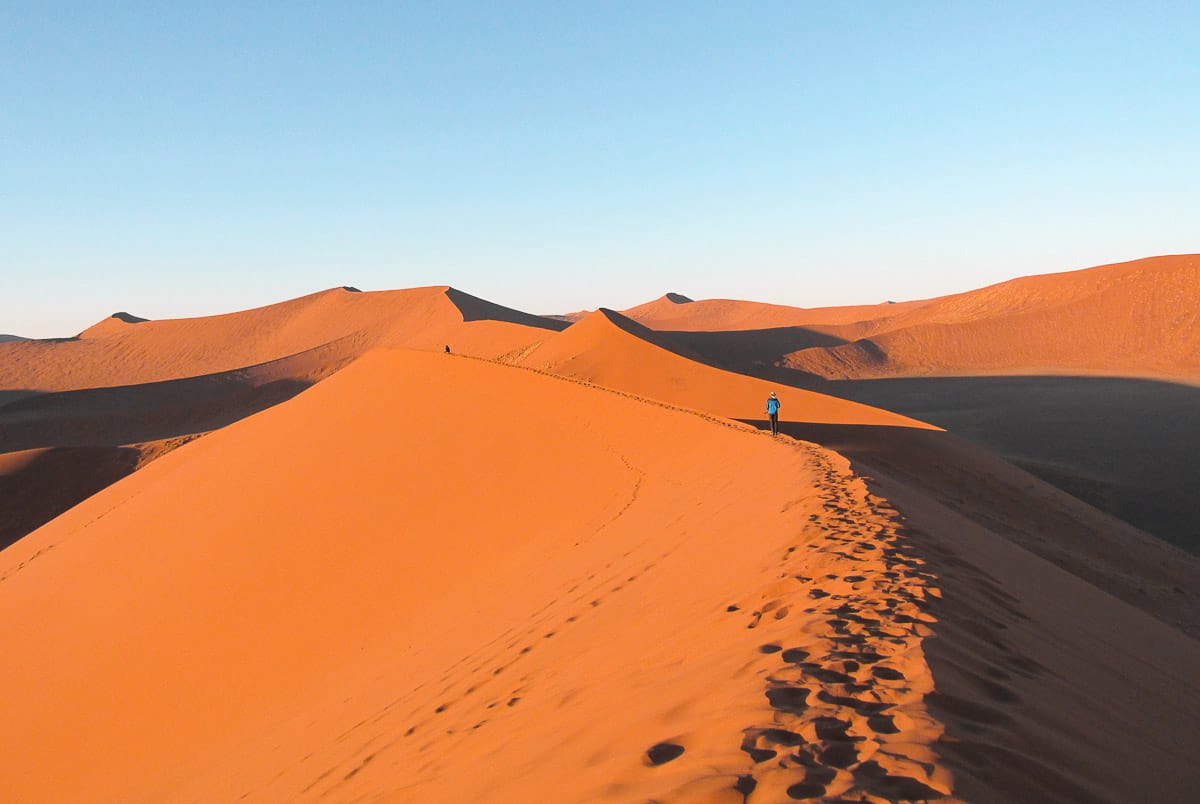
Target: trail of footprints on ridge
(848, 688)
(482, 687)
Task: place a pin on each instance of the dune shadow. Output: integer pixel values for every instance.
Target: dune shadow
(476, 309)
(9, 395)
(55, 481)
(1129, 447)
(133, 413)
(129, 318)
(989, 677)
(752, 353)
(753, 347)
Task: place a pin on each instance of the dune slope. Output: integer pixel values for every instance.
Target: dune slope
(432, 600)
(127, 380)
(1129, 447)
(124, 350)
(1044, 678)
(1133, 319)
(678, 313)
(608, 349)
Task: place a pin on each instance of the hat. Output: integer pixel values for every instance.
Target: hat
(772, 393)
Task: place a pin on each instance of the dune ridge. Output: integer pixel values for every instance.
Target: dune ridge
(565, 558)
(475, 659)
(709, 315)
(128, 381)
(1132, 319)
(608, 349)
(118, 353)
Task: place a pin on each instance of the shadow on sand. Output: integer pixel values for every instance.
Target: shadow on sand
(1126, 446)
(55, 480)
(476, 309)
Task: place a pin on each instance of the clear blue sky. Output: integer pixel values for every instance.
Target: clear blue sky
(175, 159)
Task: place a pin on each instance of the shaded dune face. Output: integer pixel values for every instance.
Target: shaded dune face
(1126, 446)
(119, 352)
(375, 604)
(1084, 378)
(613, 351)
(127, 381)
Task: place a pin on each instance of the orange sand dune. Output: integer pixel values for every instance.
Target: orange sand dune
(123, 350)
(509, 588)
(610, 350)
(39, 484)
(519, 588)
(675, 312)
(1050, 688)
(96, 400)
(1128, 319)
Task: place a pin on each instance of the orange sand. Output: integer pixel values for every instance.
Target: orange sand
(431, 600)
(609, 350)
(444, 578)
(1133, 319)
(114, 352)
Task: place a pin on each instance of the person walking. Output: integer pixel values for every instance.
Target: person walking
(773, 412)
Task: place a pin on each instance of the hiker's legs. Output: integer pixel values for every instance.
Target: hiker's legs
(774, 424)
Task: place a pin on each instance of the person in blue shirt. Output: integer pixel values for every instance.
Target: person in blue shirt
(773, 412)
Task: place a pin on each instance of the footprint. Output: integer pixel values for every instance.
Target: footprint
(662, 753)
(887, 673)
(789, 699)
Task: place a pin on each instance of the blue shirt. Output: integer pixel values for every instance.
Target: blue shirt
(772, 405)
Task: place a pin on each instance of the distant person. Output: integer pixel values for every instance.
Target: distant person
(447, 348)
(773, 412)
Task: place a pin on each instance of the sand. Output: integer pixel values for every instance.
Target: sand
(610, 350)
(360, 605)
(125, 350)
(104, 403)
(297, 553)
(1085, 378)
(1133, 319)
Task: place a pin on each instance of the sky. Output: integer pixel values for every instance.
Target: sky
(178, 159)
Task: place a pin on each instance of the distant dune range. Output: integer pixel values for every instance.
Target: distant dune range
(1087, 378)
(295, 553)
(130, 386)
(1133, 319)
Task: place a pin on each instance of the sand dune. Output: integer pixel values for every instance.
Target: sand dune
(1050, 350)
(610, 350)
(432, 607)
(556, 566)
(1126, 446)
(676, 312)
(116, 352)
(39, 484)
(419, 606)
(1044, 679)
(1134, 319)
(127, 381)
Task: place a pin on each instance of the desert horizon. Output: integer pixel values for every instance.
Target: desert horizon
(569, 403)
